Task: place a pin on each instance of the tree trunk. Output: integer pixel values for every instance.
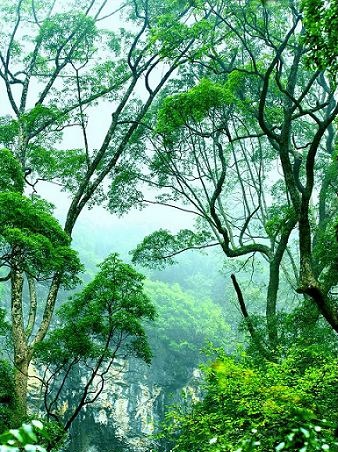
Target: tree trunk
(21, 380)
(271, 303)
(21, 351)
(274, 279)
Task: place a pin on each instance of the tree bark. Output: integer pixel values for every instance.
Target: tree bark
(274, 278)
(21, 389)
(21, 351)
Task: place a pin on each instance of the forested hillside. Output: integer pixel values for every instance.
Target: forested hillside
(168, 225)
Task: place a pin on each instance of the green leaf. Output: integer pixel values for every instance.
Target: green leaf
(11, 174)
(29, 431)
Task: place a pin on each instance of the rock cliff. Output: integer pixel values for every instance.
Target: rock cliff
(130, 408)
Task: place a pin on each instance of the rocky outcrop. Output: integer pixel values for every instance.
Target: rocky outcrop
(129, 410)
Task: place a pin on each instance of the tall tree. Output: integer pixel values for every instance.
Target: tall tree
(57, 60)
(107, 316)
(248, 146)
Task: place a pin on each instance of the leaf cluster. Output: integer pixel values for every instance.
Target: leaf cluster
(159, 248)
(277, 216)
(274, 399)
(40, 116)
(31, 239)
(321, 25)
(177, 109)
(105, 317)
(25, 438)
(123, 192)
(9, 129)
(11, 175)
(64, 166)
(67, 35)
(7, 396)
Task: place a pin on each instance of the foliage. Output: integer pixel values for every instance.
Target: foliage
(57, 61)
(123, 193)
(7, 396)
(107, 318)
(185, 325)
(65, 34)
(245, 109)
(310, 436)
(33, 240)
(321, 25)
(66, 166)
(25, 438)
(113, 303)
(246, 105)
(182, 32)
(159, 248)
(11, 176)
(8, 130)
(276, 400)
(194, 104)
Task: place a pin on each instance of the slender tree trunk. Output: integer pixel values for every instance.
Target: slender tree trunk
(21, 352)
(21, 390)
(271, 303)
(274, 279)
(264, 351)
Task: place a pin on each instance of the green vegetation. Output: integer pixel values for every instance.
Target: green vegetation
(216, 159)
(185, 326)
(25, 438)
(56, 62)
(97, 326)
(7, 395)
(224, 111)
(321, 33)
(262, 404)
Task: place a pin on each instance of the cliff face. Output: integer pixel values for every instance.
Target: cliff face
(129, 410)
(132, 405)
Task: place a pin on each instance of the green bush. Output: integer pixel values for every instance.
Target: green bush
(282, 403)
(24, 438)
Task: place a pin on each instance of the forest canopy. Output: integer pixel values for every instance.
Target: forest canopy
(222, 111)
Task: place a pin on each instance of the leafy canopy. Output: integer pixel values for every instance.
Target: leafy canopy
(321, 25)
(107, 316)
(11, 175)
(31, 239)
(159, 248)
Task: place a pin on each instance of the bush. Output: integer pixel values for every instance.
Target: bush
(281, 402)
(24, 438)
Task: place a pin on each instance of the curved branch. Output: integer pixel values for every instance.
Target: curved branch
(257, 341)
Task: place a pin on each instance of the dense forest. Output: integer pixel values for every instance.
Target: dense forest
(168, 225)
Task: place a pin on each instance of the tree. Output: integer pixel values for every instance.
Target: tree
(321, 35)
(56, 63)
(251, 113)
(106, 317)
